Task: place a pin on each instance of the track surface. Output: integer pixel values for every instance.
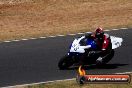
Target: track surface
(36, 60)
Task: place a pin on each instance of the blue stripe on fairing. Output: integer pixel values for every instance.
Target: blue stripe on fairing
(92, 43)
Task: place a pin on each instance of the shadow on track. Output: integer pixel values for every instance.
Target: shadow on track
(106, 66)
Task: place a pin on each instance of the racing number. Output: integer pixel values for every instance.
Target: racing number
(117, 43)
(75, 47)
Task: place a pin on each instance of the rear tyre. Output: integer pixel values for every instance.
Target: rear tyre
(65, 62)
(109, 57)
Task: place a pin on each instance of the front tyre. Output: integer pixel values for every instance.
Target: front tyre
(65, 62)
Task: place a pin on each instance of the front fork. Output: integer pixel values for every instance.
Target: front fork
(76, 57)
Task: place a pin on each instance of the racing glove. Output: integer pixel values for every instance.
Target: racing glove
(91, 53)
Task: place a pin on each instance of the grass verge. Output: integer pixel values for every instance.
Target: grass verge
(73, 84)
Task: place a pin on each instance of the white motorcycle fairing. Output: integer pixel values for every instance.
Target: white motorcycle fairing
(75, 47)
(116, 42)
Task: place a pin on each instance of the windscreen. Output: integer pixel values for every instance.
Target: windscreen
(88, 41)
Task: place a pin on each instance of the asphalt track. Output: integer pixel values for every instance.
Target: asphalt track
(36, 60)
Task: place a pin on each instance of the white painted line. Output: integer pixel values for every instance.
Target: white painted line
(33, 38)
(88, 32)
(80, 33)
(51, 81)
(7, 41)
(124, 73)
(60, 35)
(24, 39)
(52, 36)
(123, 28)
(42, 37)
(128, 72)
(38, 83)
(71, 34)
(115, 29)
(15, 40)
(106, 30)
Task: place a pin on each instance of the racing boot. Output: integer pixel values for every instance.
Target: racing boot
(99, 61)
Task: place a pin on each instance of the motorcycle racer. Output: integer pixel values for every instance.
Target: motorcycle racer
(92, 48)
(103, 43)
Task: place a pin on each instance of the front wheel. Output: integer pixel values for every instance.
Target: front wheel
(65, 62)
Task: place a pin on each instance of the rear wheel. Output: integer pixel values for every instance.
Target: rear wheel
(65, 62)
(109, 57)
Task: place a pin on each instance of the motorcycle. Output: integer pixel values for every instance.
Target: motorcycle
(80, 49)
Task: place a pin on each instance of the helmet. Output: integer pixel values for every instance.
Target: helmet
(99, 33)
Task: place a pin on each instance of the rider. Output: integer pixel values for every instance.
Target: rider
(103, 43)
(102, 39)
